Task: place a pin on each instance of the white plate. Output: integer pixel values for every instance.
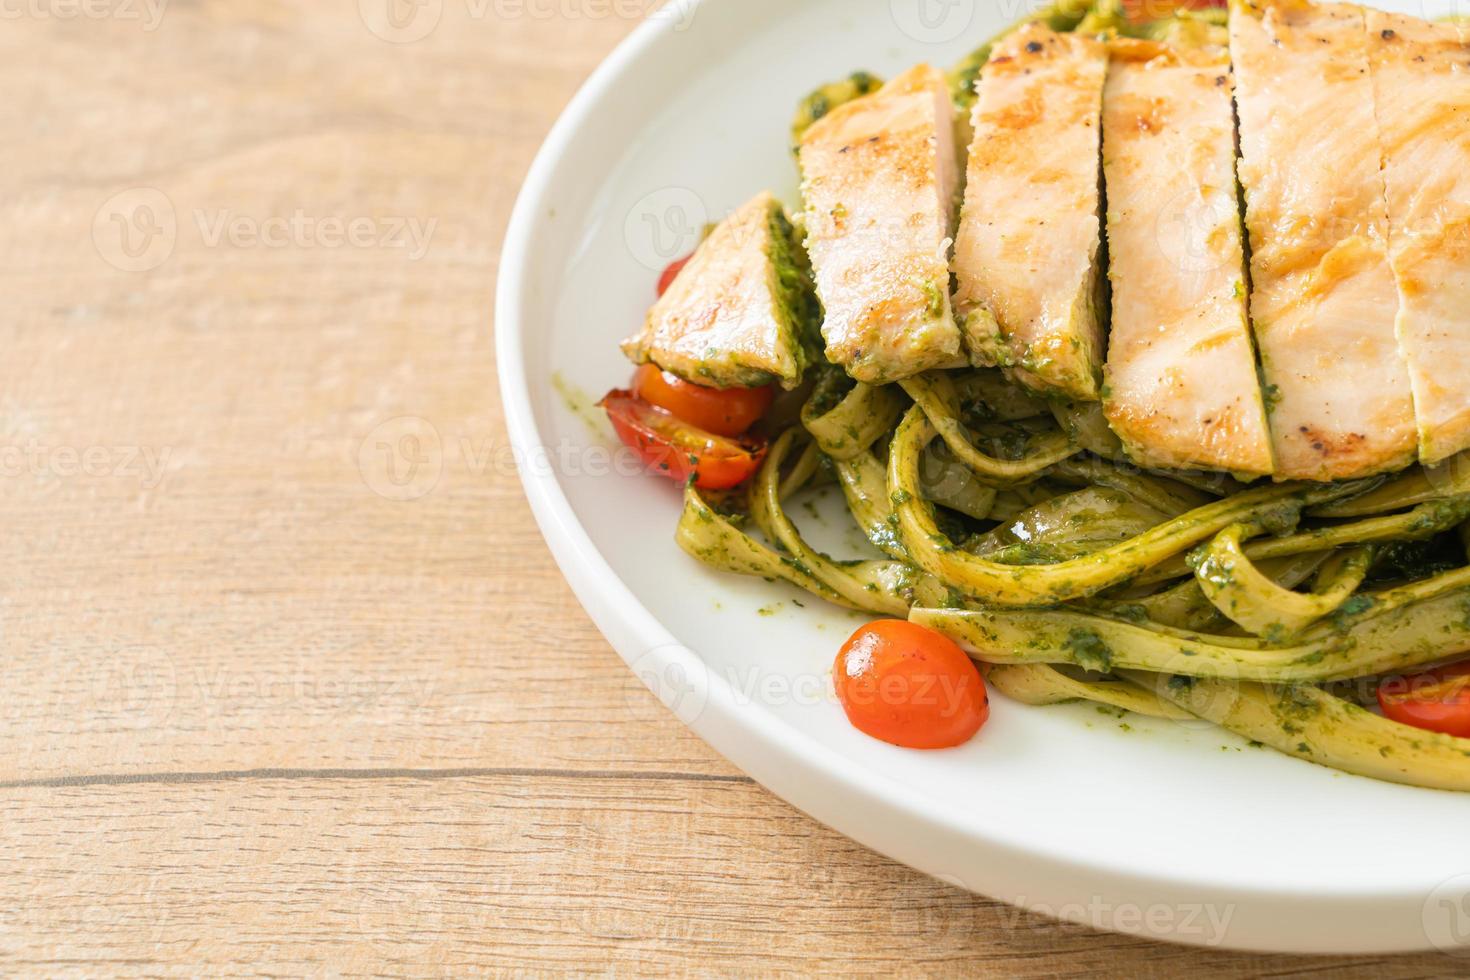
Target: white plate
(1180, 832)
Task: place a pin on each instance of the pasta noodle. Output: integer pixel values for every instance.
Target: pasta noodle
(1020, 529)
(1197, 612)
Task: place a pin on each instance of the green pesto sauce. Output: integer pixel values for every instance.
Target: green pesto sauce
(580, 404)
(935, 297)
(1271, 394)
(821, 101)
(1063, 16)
(1089, 650)
(797, 310)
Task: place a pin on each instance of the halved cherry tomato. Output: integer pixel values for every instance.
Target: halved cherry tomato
(723, 411)
(1436, 700)
(910, 686)
(678, 450)
(667, 277)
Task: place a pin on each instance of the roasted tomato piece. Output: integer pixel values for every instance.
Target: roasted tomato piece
(678, 450)
(1436, 700)
(723, 411)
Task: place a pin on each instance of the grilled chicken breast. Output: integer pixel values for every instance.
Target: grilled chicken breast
(1026, 257)
(1421, 81)
(1182, 389)
(1325, 301)
(880, 178)
(735, 315)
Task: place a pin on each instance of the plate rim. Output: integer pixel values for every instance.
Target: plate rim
(761, 744)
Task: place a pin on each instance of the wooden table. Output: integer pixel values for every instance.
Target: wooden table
(291, 684)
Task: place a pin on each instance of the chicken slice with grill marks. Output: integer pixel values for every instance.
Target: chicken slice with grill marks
(1421, 81)
(1027, 253)
(1324, 300)
(880, 176)
(1182, 387)
(737, 313)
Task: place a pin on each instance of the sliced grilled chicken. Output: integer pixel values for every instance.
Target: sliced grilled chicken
(1182, 389)
(1026, 257)
(1324, 301)
(735, 315)
(880, 178)
(1421, 76)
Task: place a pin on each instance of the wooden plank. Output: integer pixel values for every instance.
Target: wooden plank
(513, 874)
(236, 580)
(211, 568)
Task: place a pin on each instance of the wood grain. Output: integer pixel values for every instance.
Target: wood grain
(284, 692)
(533, 873)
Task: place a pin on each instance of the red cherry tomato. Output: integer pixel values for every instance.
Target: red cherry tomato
(678, 450)
(1436, 700)
(723, 411)
(667, 277)
(908, 685)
